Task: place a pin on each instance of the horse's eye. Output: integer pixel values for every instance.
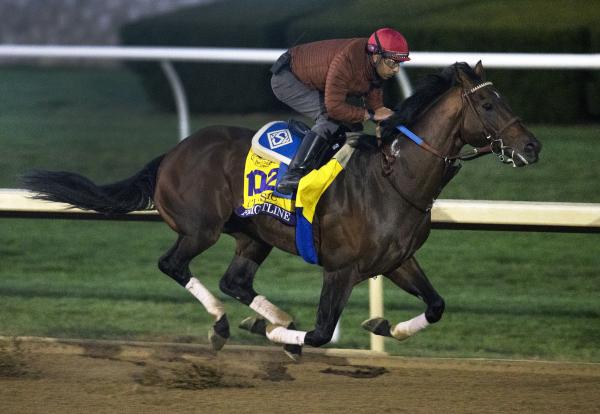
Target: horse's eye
(487, 106)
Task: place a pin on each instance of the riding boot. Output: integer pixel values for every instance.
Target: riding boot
(311, 147)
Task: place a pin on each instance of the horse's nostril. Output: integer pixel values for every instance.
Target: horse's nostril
(531, 150)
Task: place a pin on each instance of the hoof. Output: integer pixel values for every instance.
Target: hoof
(255, 325)
(216, 341)
(293, 351)
(378, 326)
(219, 333)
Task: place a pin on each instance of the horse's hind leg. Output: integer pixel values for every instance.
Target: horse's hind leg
(175, 263)
(412, 279)
(238, 281)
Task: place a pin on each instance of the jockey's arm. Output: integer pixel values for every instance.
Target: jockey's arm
(336, 91)
(374, 101)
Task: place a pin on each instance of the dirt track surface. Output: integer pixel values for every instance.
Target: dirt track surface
(49, 376)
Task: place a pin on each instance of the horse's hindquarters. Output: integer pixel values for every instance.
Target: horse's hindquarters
(199, 182)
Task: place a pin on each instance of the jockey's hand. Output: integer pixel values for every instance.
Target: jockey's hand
(382, 114)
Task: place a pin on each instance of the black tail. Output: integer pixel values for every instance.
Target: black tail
(134, 193)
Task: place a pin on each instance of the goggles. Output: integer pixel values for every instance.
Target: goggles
(399, 56)
(391, 63)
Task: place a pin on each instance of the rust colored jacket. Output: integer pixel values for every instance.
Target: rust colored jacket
(339, 68)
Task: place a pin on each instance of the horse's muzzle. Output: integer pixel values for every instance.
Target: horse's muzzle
(531, 151)
(521, 157)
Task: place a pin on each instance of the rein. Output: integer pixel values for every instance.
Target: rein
(465, 156)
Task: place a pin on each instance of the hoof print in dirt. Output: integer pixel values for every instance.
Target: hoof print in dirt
(356, 371)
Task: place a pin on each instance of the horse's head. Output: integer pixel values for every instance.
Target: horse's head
(488, 120)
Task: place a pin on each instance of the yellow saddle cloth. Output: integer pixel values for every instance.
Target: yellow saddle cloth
(260, 179)
(260, 196)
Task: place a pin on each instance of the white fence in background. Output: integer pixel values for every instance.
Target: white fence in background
(449, 214)
(168, 55)
(445, 214)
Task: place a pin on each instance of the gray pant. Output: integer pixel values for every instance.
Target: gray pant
(309, 102)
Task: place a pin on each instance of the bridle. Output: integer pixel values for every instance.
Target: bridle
(496, 145)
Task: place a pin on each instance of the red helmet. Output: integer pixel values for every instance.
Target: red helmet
(389, 43)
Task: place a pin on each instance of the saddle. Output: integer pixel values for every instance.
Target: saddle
(278, 140)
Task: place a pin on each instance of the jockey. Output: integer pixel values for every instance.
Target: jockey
(316, 78)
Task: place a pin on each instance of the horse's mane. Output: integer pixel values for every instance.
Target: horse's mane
(428, 89)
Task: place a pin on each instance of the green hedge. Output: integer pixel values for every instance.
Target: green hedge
(216, 87)
(442, 25)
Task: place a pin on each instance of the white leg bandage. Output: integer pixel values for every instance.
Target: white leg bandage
(212, 304)
(408, 328)
(283, 335)
(270, 312)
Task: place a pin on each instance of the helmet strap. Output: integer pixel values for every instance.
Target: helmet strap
(379, 49)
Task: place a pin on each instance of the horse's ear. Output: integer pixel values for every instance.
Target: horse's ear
(462, 77)
(479, 70)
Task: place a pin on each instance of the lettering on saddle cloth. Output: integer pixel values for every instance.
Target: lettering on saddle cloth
(260, 179)
(272, 148)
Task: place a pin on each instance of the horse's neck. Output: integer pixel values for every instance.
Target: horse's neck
(418, 172)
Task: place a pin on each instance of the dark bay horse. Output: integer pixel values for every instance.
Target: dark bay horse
(371, 221)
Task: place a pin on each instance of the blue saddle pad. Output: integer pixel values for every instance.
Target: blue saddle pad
(278, 141)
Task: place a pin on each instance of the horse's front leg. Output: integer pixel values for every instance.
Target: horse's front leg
(412, 279)
(335, 292)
